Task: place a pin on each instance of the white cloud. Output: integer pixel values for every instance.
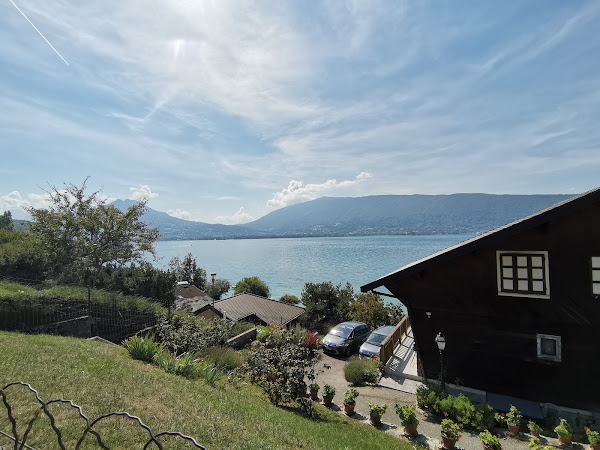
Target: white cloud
(180, 214)
(142, 192)
(12, 201)
(297, 192)
(238, 218)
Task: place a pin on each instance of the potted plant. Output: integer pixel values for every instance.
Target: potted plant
(450, 433)
(534, 428)
(376, 411)
(314, 391)
(513, 420)
(593, 438)
(328, 393)
(422, 392)
(350, 400)
(564, 432)
(408, 417)
(489, 441)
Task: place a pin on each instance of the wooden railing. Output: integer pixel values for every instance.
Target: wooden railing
(389, 343)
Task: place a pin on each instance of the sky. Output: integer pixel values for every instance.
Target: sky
(223, 111)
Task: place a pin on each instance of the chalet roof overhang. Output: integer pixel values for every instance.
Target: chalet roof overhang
(490, 238)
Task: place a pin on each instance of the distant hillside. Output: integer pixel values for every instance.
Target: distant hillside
(402, 214)
(174, 229)
(373, 215)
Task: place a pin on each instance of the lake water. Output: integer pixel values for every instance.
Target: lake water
(286, 264)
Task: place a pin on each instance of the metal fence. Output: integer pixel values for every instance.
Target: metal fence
(20, 440)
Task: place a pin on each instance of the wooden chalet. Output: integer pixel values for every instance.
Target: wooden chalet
(519, 307)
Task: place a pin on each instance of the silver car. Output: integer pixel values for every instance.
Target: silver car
(372, 346)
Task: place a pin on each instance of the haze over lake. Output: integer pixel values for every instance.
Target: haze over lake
(286, 264)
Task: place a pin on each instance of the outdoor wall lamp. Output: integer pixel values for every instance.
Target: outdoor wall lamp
(440, 341)
(428, 314)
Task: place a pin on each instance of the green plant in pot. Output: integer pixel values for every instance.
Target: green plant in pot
(490, 441)
(328, 394)
(564, 432)
(408, 417)
(314, 391)
(350, 400)
(513, 420)
(377, 410)
(534, 428)
(593, 438)
(450, 433)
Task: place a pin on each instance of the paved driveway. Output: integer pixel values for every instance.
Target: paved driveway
(429, 428)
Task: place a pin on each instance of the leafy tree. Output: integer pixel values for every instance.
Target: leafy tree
(369, 308)
(6, 222)
(396, 313)
(289, 299)
(80, 233)
(218, 288)
(252, 285)
(326, 304)
(187, 270)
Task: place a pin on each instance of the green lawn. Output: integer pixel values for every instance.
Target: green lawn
(103, 378)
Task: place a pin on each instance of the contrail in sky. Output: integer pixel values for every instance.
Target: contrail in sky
(40, 33)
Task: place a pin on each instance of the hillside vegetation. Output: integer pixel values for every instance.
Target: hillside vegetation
(102, 378)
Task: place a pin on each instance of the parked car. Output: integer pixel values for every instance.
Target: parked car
(372, 345)
(345, 337)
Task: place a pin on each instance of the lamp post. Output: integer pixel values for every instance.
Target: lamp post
(440, 340)
(212, 277)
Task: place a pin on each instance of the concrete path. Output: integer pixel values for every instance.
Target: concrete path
(429, 429)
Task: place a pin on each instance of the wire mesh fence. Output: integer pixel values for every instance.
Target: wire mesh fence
(106, 314)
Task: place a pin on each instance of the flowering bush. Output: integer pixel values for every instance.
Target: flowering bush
(593, 436)
(375, 409)
(514, 416)
(279, 366)
(489, 440)
(450, 429)
(350, 396)
(311, 340)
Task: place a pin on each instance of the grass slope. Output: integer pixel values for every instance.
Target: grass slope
(102, 378)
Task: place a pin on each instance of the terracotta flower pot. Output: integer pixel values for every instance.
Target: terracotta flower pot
(565, 439)
(447, 442)
(327, 400)
(535, 433)
(349, 409)
(594, 446)
(513, 429)
(410, 430)
(376, 419)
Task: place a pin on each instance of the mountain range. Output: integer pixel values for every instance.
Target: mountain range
(363, 216)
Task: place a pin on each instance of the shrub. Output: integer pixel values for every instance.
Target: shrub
(360, 371)
(563, 429)
(489, 440)
(223, 358)
(350, 396)
(187, 334)
(279, 366)
(483, 417)
(407, 415)
(444, 406)
(463, 409)
(141, 348)
(165, 360)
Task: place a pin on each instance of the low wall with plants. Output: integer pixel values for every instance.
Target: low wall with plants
(241, 340)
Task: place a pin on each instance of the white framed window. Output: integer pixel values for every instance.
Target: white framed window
(523, 274)
(595, 275)
(549, 347)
